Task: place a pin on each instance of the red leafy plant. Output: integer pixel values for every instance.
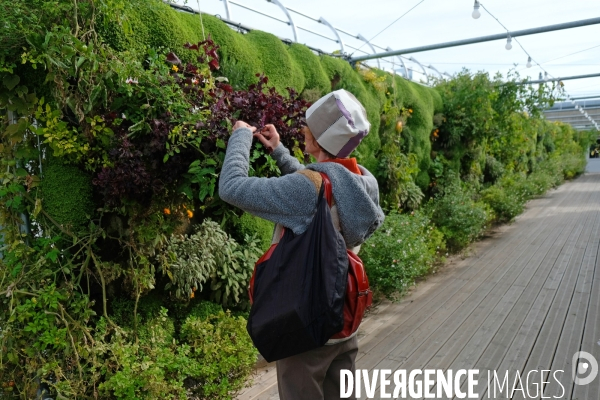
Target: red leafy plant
(158, 161)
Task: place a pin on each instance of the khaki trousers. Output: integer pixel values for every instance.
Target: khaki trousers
(315, 374)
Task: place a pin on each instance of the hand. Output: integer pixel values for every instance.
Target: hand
(242, 124)
(269, 137)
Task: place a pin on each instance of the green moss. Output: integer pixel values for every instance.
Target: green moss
(276, 61)
(310, 66)
(239, 62)
(67, 195)
(250, 225)
(151, 24)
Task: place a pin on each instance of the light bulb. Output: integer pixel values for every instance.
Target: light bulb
(508, 44)
(476, 14)
(528, 62)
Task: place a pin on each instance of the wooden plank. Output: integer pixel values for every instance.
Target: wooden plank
(475, 318)
(573, 327)
(443, 305)
(464, 351)
(543, 351)
(591, 338)
(469, 267)
(521, 327)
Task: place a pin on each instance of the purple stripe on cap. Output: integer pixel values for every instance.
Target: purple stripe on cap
(345, 112)
(352, 144)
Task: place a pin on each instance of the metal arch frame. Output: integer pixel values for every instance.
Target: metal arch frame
(287, 13)
(324, 22)
(422, 67)
(405, 74)
(226, 3)
(433, 68)
(364, 39)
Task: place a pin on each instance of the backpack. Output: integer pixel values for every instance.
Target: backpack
(307, 288)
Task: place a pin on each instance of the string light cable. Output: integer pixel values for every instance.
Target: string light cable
(396, 20)
(530, 59)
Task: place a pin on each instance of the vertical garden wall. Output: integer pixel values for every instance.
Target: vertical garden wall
(130, 279)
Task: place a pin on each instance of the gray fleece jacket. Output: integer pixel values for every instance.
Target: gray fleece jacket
(291, 200)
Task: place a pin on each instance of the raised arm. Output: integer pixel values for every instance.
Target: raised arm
(289, 200)
(287, 163)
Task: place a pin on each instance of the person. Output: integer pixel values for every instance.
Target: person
(335, 126)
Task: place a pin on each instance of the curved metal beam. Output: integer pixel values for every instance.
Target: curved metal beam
(226, 2)
(337, 35)
(433, 68)
(422, 67)
(287, 13)
(405, 74)
(364, 39)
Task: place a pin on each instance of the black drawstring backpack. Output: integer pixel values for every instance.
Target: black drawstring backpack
(298, 288)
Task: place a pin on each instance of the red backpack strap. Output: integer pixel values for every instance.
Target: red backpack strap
(328, 191)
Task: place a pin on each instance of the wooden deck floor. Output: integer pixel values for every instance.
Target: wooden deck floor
(528, 298)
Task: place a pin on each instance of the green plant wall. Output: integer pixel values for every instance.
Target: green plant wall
(149, 24)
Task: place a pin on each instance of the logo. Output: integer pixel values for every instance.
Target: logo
(585, 368)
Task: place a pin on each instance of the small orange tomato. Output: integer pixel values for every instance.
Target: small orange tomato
(410, 110)
(190, 214)
(399, 126)
(167, 211)
(192, 295)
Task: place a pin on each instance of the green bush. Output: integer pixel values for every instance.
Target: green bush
(222, 343)
(249, 225)
(209, 255)
(573, 165)
(505, 203)
(458, 216)
(402, 250)
(210, 358)
(493, 169)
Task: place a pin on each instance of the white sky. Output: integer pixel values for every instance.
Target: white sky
(438, 21)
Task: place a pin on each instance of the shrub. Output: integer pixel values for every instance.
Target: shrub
(505, 203)
(209, 255)
(210, 358)
(493, 169)
(222, 343)
(573, 165)
(249, 225)
(403, 249)
(458, 217)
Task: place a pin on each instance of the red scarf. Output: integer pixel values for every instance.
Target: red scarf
(349, 163)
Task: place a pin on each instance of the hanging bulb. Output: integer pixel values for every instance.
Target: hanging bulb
(476, 14)
(508, 43)
(545, 76)
(528, 62)
(540, 78)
